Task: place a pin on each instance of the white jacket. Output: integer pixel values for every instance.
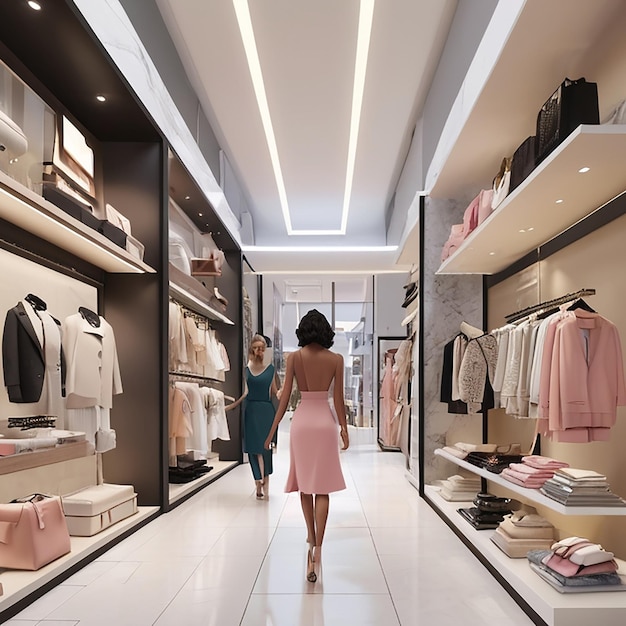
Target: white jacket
(93, 373)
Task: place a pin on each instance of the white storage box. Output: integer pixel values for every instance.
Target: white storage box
(93, 509)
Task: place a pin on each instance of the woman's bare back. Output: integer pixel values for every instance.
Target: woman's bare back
(315, 368)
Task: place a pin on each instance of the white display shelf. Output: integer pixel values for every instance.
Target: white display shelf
(553, 198)
(219, 468)
(31, 212)
(533, 495)
(18, 584)
(195, 303)
(556, 609)
(192, 293)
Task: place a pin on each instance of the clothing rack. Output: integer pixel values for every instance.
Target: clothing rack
(190, 313)
(184, 376)
(548, 304)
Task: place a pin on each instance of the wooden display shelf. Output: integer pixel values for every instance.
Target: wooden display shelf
(533, 495)
(192, 293)
(553, 198)
(31, 212)
(39, 458)
(556, 609)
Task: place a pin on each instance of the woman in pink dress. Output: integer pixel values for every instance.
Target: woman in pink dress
(315, 469)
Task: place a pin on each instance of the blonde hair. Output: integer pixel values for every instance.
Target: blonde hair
(256, 339)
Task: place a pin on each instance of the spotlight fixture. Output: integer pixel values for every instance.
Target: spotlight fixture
(34, 5)
(559, 201)
(583, 170)
(187, 197)
(199, 214)
(101, 98)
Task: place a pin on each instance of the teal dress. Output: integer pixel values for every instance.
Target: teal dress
(258, 416)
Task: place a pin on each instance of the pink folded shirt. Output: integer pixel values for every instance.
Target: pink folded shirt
(569, 568)
(543, 462)
(524, 468)
(523, 480)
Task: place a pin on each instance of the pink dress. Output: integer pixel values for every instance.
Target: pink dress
(314, 446)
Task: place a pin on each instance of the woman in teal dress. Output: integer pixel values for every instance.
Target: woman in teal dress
(258, 414)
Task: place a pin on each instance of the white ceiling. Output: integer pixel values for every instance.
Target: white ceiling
(307, 55)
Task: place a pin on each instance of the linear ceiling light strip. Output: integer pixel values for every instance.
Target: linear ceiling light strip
(242, 11)
(366, 16)
(319, 248)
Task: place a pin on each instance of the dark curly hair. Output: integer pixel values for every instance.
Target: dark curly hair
(314, 328)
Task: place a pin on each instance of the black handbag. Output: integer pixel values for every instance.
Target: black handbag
(523, 162)
(575, 102)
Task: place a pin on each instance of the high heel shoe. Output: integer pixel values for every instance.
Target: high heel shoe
(311, 574)
(259, 489)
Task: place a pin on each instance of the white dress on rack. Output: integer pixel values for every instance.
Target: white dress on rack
(198, 441)
(216, 414)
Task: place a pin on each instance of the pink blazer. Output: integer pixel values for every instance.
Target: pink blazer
(587, 382)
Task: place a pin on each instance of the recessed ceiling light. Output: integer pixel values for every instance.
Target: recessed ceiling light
(248, 248)
(559, 201)
(522, 230)
(199, 214)
(187, 197)
(582, 170)
(100, 98)
(34, 5)
(531, 228)
(14, 160)
(492, 254)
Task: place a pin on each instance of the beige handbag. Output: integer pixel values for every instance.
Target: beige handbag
(501, 183)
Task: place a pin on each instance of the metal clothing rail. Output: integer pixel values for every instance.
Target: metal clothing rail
(581, 293)
(203, 319)
(188, 375)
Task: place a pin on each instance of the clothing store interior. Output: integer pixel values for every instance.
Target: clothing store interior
(182, 183)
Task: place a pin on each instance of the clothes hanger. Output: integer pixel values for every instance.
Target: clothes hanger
(36, 302)
(580, 304)
(89, 316)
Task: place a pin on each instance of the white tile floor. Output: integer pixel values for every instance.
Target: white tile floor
(224, 558)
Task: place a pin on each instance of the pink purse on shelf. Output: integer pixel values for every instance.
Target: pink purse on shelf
(33, 532)
(454, 241)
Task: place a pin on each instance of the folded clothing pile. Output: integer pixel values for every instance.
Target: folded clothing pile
(533, 471)
(488, 511)
(39, 439)
(498, 460)
(522, 531)
(462, 449)
(578, 487)
(575, 564)
(460, 488)
(188, 470)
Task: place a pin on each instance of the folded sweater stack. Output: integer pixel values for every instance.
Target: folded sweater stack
(460, 488)
(522, 531)
(576, 564)
(533, 471)
(578, 487)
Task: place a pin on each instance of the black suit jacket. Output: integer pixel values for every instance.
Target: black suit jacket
(23, 358)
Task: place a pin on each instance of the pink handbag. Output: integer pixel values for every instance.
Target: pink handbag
(454, 241)
(485, 198)
(33, 532)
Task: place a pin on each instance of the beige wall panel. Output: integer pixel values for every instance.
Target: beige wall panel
(55, 479)
(597, 261)
(513, 294)
(605, 63)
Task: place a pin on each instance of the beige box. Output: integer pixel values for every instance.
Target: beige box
(95, 508)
